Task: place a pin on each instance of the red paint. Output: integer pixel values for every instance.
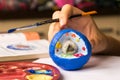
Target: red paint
(83, 48)
(73, 35)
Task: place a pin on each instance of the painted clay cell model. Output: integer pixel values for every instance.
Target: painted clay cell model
(70, 49)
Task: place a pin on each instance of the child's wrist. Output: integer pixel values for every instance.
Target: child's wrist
(100, 44)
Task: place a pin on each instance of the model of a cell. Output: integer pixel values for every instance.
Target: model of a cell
(70, 49)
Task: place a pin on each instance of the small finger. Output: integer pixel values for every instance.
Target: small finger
(66, 12)
(56, 14)
(53, 29)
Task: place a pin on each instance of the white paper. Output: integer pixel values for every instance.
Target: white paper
(14, 46)
(12, 38)
(98, 68)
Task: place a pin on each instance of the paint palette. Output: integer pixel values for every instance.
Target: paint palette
(28, 71)
(70, 49)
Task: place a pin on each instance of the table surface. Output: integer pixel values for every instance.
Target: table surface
(97, 68)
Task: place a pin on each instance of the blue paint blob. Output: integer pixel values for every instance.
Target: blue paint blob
(68, 61)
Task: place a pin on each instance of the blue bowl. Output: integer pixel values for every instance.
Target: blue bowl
(61, 54)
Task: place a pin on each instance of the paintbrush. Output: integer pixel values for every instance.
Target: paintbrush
(49, 21)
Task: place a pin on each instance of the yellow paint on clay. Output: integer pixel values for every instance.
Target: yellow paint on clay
(77, 40)
(58, 45)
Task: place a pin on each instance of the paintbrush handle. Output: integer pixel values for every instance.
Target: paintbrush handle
(47, 21)
(55, 20)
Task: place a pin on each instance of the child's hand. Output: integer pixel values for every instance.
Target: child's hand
(83, 24)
